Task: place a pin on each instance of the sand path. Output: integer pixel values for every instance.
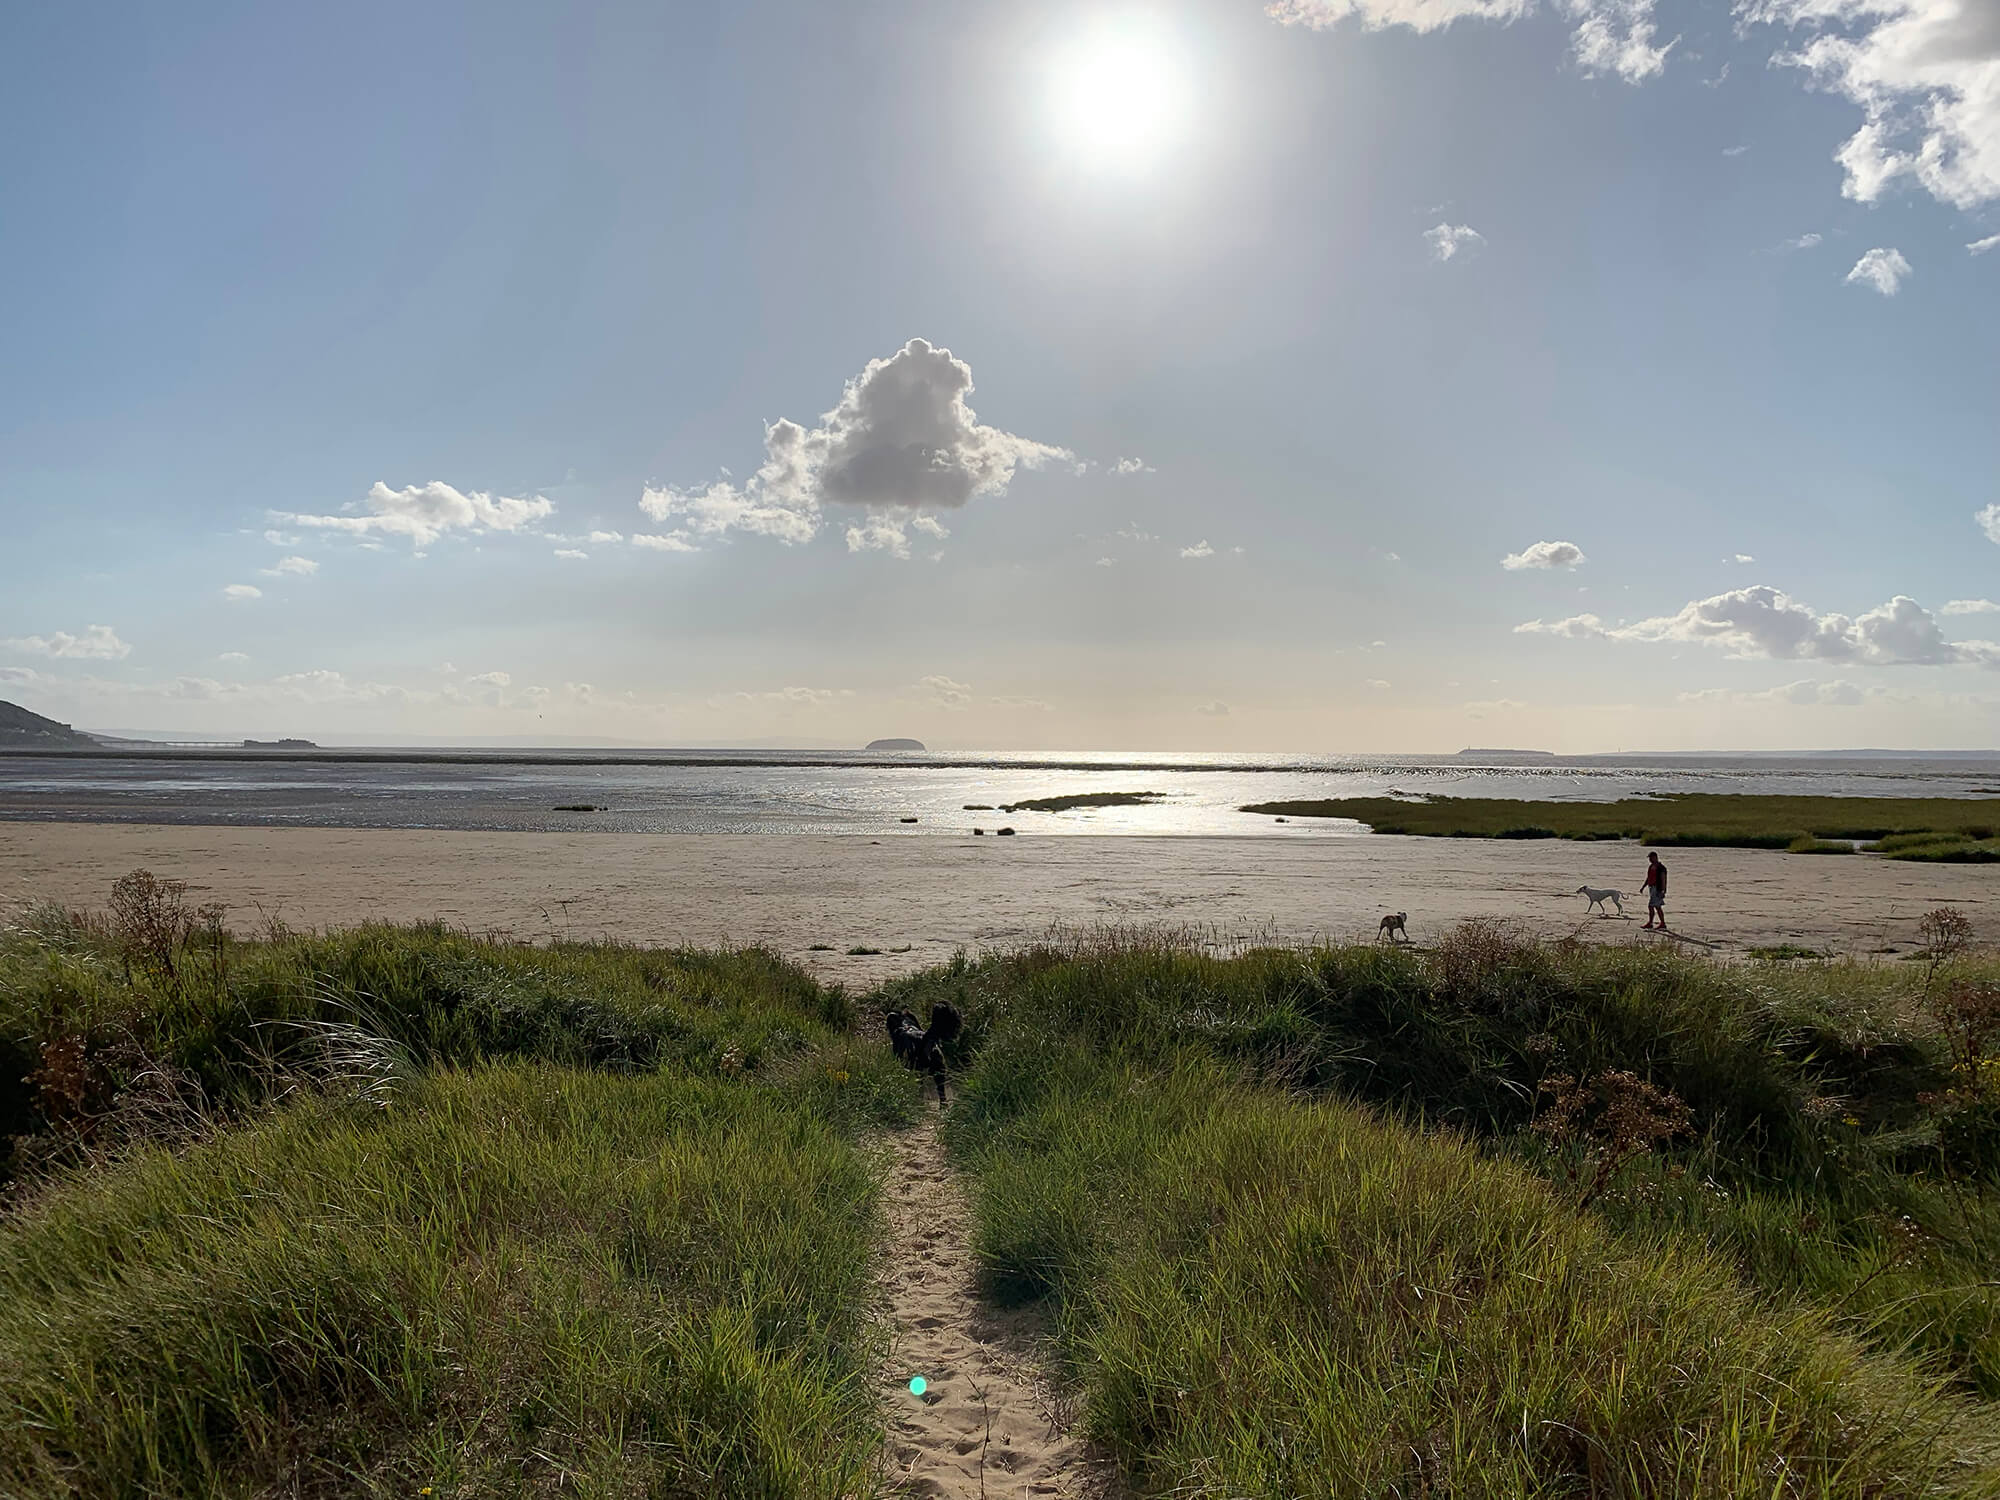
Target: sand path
(989, 1423)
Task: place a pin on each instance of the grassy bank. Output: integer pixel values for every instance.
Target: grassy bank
(1161, 1136)
(1693, 819)
(397, 1211)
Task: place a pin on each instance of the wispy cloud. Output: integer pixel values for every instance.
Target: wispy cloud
(1448, 240)
(1980, 247)
(425, 512)
(97, 643)
(241, 593)
(298, 567)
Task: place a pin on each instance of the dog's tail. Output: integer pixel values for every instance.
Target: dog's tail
(946, 1023)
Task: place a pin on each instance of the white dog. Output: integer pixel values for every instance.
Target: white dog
(1598, 898)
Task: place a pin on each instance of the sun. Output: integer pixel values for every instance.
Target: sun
(1119, 93)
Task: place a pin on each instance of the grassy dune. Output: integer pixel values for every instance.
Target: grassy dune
(1950, 827)
(391, 1209)
(372, 1212)
(1255, 1278)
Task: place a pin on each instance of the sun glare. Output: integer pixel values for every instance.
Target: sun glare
(1119, 93)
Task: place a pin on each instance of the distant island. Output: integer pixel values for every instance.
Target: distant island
(1505, 755)
(895, 745)
(279, 745)
(22, 730)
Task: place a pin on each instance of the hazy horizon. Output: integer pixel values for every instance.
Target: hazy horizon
(1201, 375)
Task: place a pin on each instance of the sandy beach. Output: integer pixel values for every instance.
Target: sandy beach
(928, 897)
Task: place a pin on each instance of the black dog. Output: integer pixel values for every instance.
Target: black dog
(924, 1049)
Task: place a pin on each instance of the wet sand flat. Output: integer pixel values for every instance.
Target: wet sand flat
(932, 895)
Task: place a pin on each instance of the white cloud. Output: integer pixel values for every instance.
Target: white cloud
(1926, 74)
(1447, 240)
(1485, 707)
(1575, 628)
(1764, 622)
(798, 697)
(1804, 242)
(1989, 522)
(1107, 562)
(901, 439)
(279, 539)
(1739, 558)
(930, 526)
(1377, 682)
(1980, 247)
(1616, 36)
(605, 538)
(879, 533)
(1545, 555)
(1883, 269)
(1214, 709)
(423, 513)
(240, 593)
(944, 692)
(673, 541)
(1734, 150)
(97, 643)
(1611, 36)
(1969, 607)
(1806, 693)
(1199, 550)
(572, 554)
(303, 567)
(234, 656)
(1132, 466)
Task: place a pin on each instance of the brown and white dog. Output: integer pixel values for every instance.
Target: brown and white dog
(1395, 922)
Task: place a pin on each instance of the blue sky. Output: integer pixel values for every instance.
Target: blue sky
(398, 315)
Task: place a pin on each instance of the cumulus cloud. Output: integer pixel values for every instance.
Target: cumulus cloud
(1447, 240)
(1980, 247)
(301, 567)
(1132, 466)
(1545, 555)
(901, 440)
(97, 643)
(673, 541)
(1969, 607)
(1764, 622)
(1804, 242)
(1215, 709)
(234, 656)
(425, 512)
(1199, 550)
(240, 593)
(1740, 558)
(605, 538)
(1883, 269)
(1926, 75)
(572, 554)
(1989, 522)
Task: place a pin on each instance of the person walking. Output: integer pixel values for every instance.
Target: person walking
(1656, 890)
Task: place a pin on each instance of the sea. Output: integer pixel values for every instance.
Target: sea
(882, 794)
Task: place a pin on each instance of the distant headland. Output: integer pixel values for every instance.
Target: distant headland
(894, 745)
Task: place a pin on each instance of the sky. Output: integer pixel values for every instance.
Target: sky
(1321, 376)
